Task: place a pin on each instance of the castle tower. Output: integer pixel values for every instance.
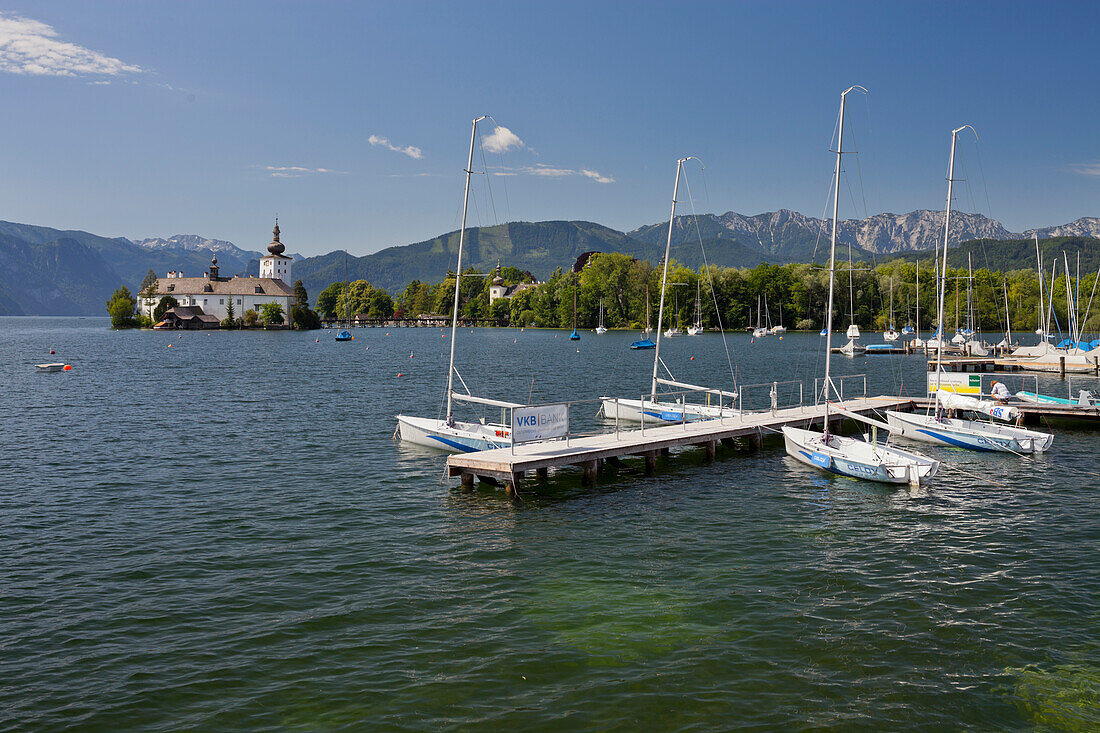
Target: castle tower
(214, 267)
(276, 265)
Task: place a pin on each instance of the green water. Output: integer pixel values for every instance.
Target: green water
(223, 535)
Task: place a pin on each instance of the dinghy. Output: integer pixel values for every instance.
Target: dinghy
(934, 426)
(448, 433)
(654, 408)
(837, 454)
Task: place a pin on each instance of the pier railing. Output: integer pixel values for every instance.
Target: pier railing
(779, 396)
(839, 383)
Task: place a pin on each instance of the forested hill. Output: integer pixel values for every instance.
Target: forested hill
(1017, 254)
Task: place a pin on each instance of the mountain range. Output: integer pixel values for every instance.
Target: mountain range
(46, 271)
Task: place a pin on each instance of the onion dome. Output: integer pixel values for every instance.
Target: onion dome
(276, 247)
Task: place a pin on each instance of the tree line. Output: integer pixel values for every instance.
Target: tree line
(796, 296)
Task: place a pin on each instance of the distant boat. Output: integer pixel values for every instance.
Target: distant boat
(574, 336)
(697, 328)
(646, 343)
(345, 335)
(49, 367)
(600, 328)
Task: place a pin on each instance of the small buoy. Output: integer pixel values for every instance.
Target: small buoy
(180, 336)
(67, 368)
(400, 374)
(316, 341)
(513, 341)
(352, 338)
(170, 345)
(387, 334)
(410, 355)
(780, 338)
(51, 351)
(692, 359)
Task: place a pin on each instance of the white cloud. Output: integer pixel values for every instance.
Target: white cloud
(1086, 169)
(595, 176)
(548, 171)
(31, 47)
(296, 171)
(410, 150)
(501, 140)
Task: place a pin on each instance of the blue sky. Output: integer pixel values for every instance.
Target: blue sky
(150, 119)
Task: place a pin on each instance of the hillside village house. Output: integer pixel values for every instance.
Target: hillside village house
(211, 292)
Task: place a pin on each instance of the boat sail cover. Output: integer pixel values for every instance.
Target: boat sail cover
(953, 401)
(853, 331)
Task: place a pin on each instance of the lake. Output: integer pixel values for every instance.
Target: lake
(223, 534)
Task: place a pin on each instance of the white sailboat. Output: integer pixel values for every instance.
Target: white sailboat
(654, 408)
(891, 333)
(917, 341)
(696, 328)
(779, 329)
(853, 347)
(847, 456)
(935, 427)
(448, 433)
(672, 330)
(759, 331)
(600, 328)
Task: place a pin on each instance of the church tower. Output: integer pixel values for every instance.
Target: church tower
(276, 265)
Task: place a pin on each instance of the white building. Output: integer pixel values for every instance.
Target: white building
(213, 293)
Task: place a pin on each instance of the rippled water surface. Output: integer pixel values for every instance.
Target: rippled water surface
(223, 534)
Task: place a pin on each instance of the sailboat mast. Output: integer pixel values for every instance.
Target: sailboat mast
(664, 275)
(458, 269)
(1041, 325)
(832, 259)
(943, 269)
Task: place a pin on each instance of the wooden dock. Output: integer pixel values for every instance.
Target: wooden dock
(510, 465)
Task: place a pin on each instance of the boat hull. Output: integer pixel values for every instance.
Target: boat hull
(968, 434)
(856, 458)
(660, 412)
(460, 437)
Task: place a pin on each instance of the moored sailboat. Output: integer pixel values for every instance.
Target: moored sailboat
(842, 455)
(935, 426)
(448, 433)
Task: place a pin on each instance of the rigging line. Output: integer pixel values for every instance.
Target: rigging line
(710, 281)
(859, 168)
(824, 211)
(488, 184)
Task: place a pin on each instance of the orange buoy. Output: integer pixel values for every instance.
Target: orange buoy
(780, 338)
(692, 359)
(51, 351)
(170, 345)
(67, 368)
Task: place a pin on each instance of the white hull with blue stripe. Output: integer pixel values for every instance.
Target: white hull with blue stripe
(968, 434)
(456, 437)
(857, 458)
(657, 411)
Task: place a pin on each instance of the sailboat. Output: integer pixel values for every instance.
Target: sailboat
(600, 328)
(654, 408)
(447, 433)
(574, 336)
(673, 330)
(844, 455)
(934, 427)
(917, 341)
(853, 347)
(696, 328)
(891, 333)
(345, 335)
(645, 342)
(759, 331)
(780, 329)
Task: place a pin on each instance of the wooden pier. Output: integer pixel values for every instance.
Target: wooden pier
(510, 465)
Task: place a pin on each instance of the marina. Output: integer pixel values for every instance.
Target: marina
(588, 453)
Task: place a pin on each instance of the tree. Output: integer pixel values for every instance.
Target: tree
(148, 286)
(304, 318)
(330, 299)
(121, 307)
(166, 303)
(272, 313)
(301, 297)
(251, 318)
(230, 315)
